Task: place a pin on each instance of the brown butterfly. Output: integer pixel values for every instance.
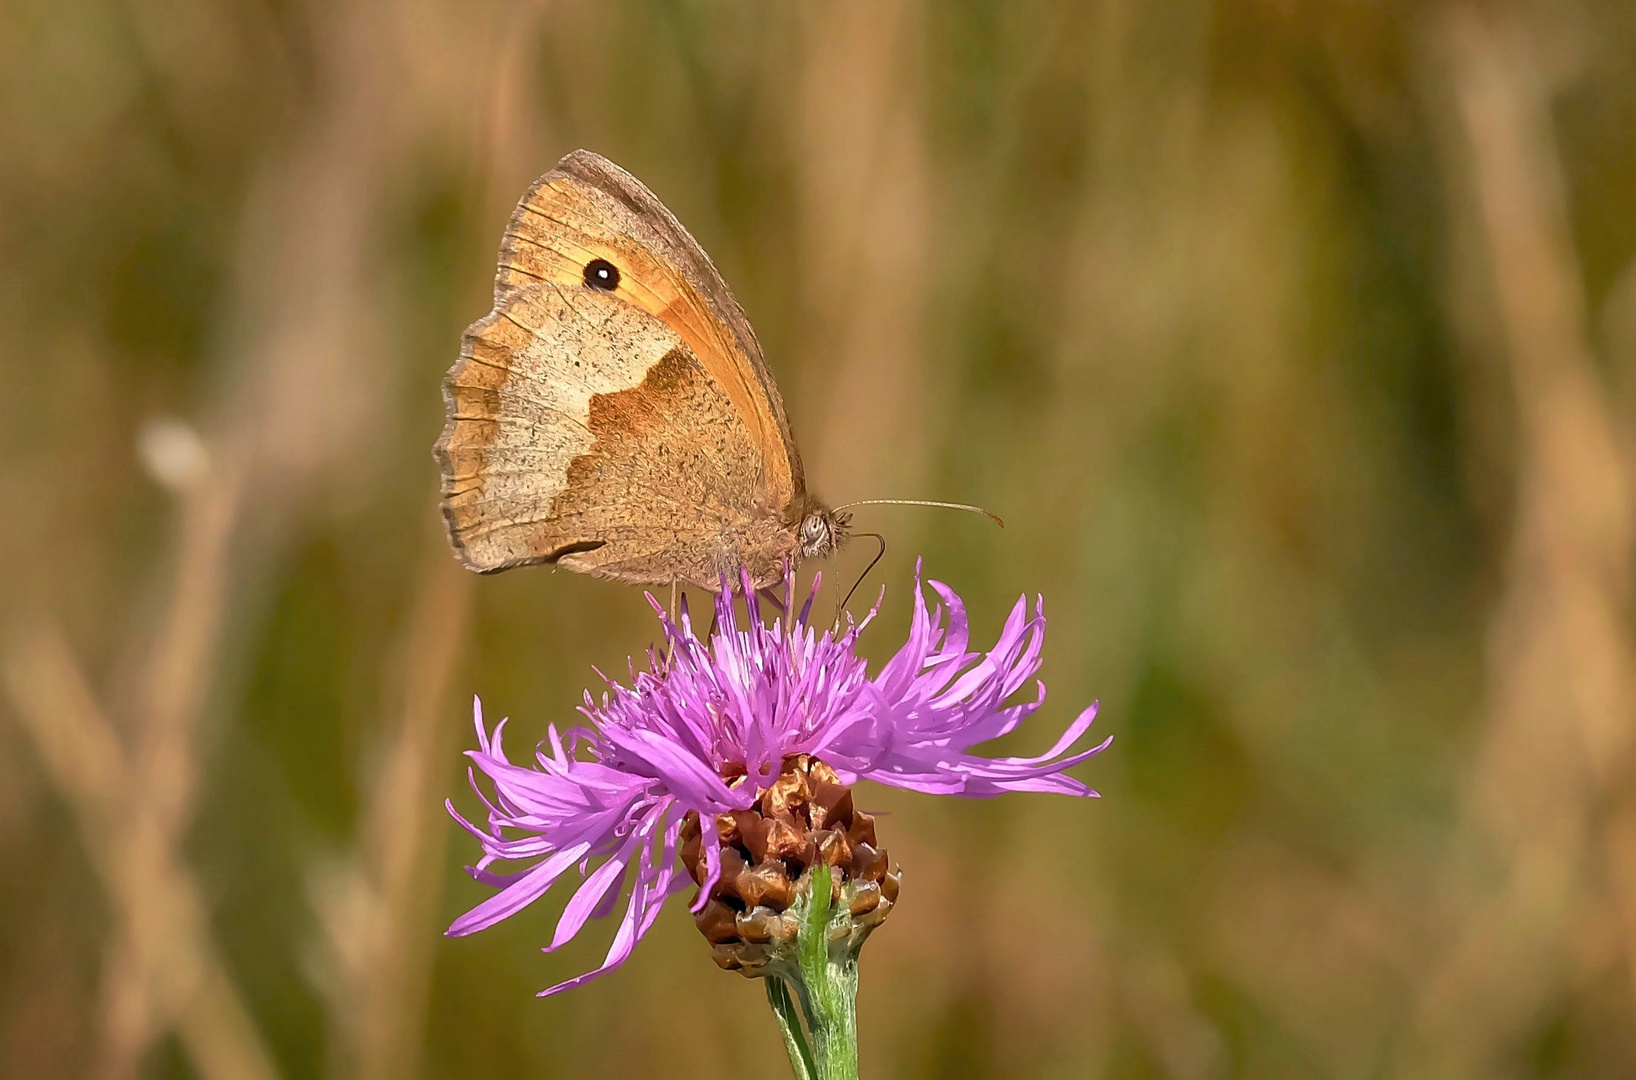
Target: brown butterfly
(613, 414)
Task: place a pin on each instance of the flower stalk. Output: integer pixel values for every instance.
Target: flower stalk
(815, 996)
(829, 974)
(789, 1022)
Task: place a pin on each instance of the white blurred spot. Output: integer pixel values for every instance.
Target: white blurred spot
(172, 452)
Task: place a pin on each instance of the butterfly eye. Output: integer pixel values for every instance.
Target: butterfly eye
(814, 532)
(602, 274)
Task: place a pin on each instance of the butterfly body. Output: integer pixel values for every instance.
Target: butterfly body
(613, 414)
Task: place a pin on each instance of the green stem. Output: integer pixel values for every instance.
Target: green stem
(831, 982)
(789, 1022)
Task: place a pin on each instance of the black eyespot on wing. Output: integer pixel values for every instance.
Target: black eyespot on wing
(602, 274)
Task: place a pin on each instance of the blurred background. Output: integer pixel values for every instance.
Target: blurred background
(1295, 342)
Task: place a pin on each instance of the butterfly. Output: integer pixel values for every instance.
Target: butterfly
(613, 414)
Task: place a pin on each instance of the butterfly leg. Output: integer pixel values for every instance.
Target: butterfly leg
(670, 613)
(771, 597)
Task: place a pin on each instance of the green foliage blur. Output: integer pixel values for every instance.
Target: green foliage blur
(1295, 342)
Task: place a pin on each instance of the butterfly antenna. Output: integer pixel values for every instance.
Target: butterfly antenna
(879, 555)
(923, 502)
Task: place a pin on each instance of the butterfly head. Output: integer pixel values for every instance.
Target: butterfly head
(822, 531)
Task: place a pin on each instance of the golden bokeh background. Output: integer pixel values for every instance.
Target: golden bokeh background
(1295, 341)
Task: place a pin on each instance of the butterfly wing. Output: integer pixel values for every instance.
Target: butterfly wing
(621, 423)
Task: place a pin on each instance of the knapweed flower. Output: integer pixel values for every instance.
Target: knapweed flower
(736, 751)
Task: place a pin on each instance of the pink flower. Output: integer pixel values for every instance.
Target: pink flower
(708, 727)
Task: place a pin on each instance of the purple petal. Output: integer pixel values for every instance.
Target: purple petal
(528, 888)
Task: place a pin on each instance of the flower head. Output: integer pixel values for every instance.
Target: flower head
(706, 731)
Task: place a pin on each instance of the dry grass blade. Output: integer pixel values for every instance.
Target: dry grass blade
(157, 797)
(1561, 659)
(377, 912)
(167, 946)
(864, 199)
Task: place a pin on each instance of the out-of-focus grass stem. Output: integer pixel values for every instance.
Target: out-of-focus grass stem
(157, 902)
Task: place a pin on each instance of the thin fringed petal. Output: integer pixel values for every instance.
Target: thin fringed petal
(624, 943)
(518, 895)
(640, 913)
(690, 778)
(710, 841)
(602, 883)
